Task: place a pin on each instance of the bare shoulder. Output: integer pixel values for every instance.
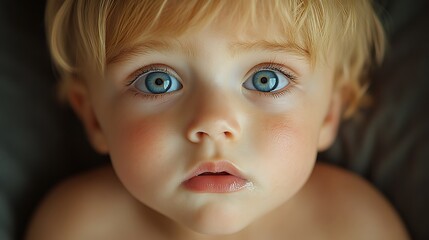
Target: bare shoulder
(351, 206)
(83, 207)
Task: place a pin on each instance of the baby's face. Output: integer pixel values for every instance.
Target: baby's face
(179, 110)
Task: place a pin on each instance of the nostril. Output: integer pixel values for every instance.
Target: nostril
(200, 135)
(228, 135)
(214, 130)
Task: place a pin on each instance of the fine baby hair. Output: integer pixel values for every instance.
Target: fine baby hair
(85, 36)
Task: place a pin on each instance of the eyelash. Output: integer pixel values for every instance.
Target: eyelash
(147, 69)
(263, 66)
(275, 66)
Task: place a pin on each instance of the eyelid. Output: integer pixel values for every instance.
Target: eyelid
(275, 67)
(151, 68)
(280, 68)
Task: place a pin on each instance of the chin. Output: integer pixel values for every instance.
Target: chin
(217, 220)
(217, 229)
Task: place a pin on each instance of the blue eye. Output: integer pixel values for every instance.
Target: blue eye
(157, 82)
(266, 81)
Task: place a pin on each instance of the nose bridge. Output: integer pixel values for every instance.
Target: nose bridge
(213, 116)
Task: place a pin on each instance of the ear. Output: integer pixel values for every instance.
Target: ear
(81, 103)
(331, 122)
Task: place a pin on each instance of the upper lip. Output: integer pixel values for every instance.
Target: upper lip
(215, 167)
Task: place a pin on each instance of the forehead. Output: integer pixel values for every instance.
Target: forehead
(254, 24)
(189, 44)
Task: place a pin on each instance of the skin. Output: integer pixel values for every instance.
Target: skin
(154, 142)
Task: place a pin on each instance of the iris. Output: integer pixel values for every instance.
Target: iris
(265, 81)
(157, 82)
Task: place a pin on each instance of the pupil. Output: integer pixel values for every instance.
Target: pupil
(159, 81)
(264, 80)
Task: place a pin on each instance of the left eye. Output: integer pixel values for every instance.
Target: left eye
(157, 82)
(266, 81)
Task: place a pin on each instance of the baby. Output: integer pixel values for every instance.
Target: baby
(212, 113)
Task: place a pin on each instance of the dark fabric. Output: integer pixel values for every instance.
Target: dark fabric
(388, 143)
(42, 142)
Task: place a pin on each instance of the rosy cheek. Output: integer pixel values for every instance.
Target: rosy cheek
(288, 149)
(140, 136)
(138, 150)
(278, 135)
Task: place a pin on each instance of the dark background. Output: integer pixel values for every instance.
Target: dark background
(42, 142)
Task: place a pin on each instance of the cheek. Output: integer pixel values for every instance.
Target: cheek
(139, 151)
(287, 135)
(134, 139)
(288, 147)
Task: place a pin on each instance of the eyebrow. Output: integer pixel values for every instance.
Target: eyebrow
(147, 47)
(290, 48)
(189, 49)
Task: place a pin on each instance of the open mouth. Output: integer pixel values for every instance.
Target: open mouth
(216, 177)
(214, 173)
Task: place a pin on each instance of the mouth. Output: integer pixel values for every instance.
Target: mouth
(214, 174)
(216, 177)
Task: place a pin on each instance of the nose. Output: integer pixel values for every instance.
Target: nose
(213, 117)
(216, 130)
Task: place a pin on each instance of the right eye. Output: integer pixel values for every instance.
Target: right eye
(157, 82)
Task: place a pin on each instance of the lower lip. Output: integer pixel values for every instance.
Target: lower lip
(216, 184)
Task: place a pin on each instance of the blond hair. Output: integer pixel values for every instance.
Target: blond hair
(86, 35)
